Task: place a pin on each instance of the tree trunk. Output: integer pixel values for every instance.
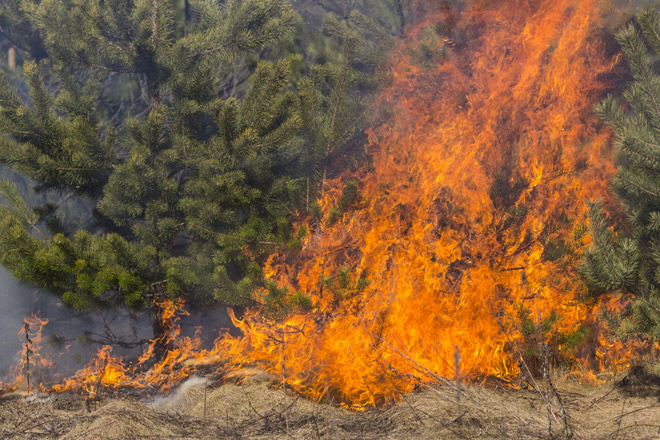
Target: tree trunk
(161, 330)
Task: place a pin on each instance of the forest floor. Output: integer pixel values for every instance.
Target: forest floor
(628, 407)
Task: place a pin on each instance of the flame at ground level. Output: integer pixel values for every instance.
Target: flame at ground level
(459, 257)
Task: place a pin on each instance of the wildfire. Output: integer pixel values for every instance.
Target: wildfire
(460, 254)
(31, 362)
(471, 219)
(107, 372)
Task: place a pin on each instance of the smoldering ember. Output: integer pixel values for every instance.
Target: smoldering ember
(330, 219)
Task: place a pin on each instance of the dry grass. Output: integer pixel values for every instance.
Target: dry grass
(622, 409)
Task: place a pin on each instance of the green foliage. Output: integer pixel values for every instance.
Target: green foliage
(346, 283)
(278, 303)
(87, 270)
(431, 48)
(315, 210)
(191, 133)
(572, 340)
(348, 65)
(300, 302)
(530, 327)
(296, 242)
(536, 331)
(185, 184)
(348, 200)
(64, 153)
(349, 196)
(629, 260)
(334, 215)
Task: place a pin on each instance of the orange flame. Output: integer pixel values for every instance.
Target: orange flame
(31, 363)
(472, 218)
(107, 372)
(460, 256)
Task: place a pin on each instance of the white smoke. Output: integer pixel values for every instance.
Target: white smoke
(178, 400)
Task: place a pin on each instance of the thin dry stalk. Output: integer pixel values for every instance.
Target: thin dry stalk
(546, 395)
(28, 352)
(206, 386)
(421, 367)
(526, 371)
(457, 371)
(530, 378)
(282, 348)
(316, 423)
(568, 430)
(333, 423)
(286, 412)
(618, 427)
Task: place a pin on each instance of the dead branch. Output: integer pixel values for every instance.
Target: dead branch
(28, 352)
(421, 367)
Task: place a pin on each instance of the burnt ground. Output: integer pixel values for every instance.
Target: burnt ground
(628, 407)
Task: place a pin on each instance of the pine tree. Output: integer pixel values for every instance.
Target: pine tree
(332, 94)
(332, 118)
(188, 186)
(628, 260)
(192, 152)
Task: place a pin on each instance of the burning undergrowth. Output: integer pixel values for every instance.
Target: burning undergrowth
(113, 370)
(454, 256)
(459, 258)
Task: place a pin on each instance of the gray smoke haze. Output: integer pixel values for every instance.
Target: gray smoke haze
(620, 11)
(65, 327)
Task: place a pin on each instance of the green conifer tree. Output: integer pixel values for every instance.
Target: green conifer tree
(187, 186)
(332, 118)
(628, 260)
(342, 72)
(192, 152)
